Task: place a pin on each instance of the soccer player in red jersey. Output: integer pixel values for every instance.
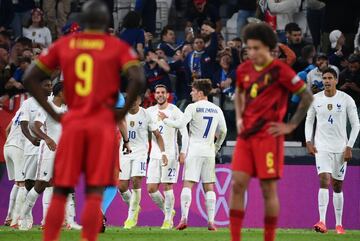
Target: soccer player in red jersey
(262, 89)
(91, 62)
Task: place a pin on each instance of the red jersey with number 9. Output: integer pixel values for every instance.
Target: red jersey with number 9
(266, 94)
(91, 64)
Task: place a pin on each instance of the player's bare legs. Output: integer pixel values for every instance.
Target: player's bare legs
(338, 202)
(323, 201)
(272, 207)
(56, 213)
(240, 182)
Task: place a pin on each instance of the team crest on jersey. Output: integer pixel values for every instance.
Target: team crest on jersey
(338, 107)
(329, 106)
(132, 123)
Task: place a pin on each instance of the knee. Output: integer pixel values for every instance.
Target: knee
(152, 189)
(337, 186)
(137, 182)
(238, 187)
(325, 181)
(123, 188)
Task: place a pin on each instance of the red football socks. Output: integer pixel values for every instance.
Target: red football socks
(91, 217)
(236, 218)
(54, 218)
(270, 228)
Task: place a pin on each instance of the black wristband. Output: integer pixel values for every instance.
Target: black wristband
(125, 142)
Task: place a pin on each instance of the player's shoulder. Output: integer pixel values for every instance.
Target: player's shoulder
(244, 66)
(344, 95)
(151, 109)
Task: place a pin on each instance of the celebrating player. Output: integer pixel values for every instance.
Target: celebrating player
(331, 147)
(205, 120)
(91, 62)
(133, 165)
(157, 173)
(14, 157)
(32, 142)
(262, 89)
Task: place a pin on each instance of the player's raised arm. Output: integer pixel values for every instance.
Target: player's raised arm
(136, 80)
(180, 122)
(33, 77)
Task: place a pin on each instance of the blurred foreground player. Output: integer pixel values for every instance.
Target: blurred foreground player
(91, 62)
(332, 149)
(262, 89)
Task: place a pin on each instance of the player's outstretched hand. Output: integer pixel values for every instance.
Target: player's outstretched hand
(51, 144)
(182, 158)
(162, 115)
(311, 148)
(279, 128)
(126, 148)
(165, 160)
(347, 154)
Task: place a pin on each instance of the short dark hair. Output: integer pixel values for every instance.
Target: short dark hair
(131, 20)
(321, 56)
(236, 39)
(292, 27)
(161, 86)
(209, 23)
(24, 41)
(3, 46)
(165, 30)
(199, 36)
(331, 71)
(57, 88)
(204, 85)
(307, 50)
(5, 34)
(24, 60)
(262, 32)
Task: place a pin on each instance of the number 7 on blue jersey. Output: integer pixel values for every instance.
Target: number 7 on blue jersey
(209, 119)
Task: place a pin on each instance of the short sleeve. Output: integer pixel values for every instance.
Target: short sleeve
(290, 80)
(40, 116)
(127, 56)
(25, 112)
(48, 60)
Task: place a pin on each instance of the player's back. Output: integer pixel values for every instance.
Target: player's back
(206, 118)
(91, 65)
(15, 137)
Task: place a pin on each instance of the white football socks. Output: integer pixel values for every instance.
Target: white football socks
(158, 199)
(12, 201)
(185, 202)
(210, 205)
(46, 198)
(126, 196)
(29, 203)
(70, 209)
(323, 201)
(20, 200)
(169, 204)
(134, 202)
(338, 201)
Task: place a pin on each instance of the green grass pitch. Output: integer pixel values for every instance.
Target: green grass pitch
(190, 234)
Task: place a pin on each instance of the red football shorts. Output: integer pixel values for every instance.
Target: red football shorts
(261, 157)
(89, 148)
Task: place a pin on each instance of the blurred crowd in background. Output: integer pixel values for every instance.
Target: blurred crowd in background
(181, 40)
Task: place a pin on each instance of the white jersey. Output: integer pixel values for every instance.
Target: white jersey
(50, 127)
(331, 118)
(29, 109)
(138, 126)
(16, 137)
(169, 134)
(205, 119)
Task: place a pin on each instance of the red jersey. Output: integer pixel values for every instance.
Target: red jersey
(266, 92)
(91, 64)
